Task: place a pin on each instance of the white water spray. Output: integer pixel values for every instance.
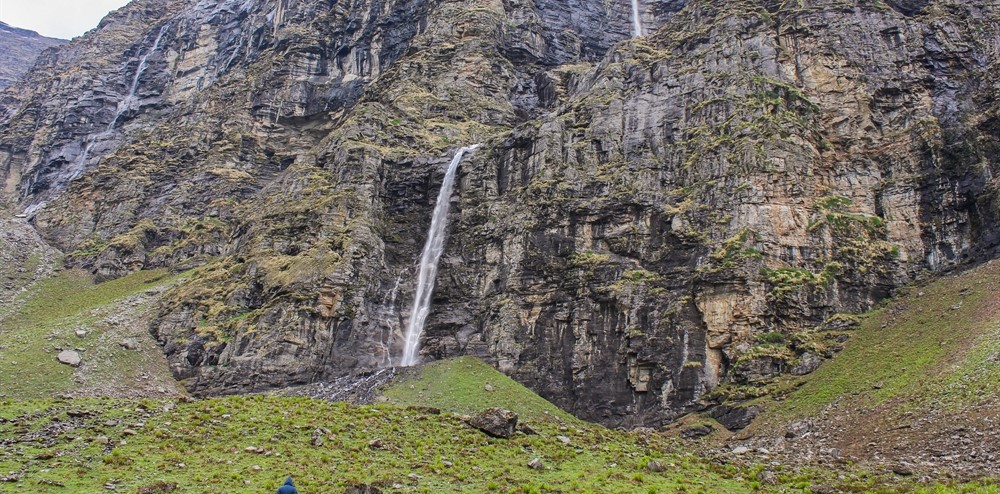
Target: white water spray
(636, 20)
(131, 100)
(81, 163)
(429, 262)
(390, 317)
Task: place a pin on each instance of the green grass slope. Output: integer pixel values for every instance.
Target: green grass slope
(249, 444)
(45, 319)
(466, 385)
(915, 388)
(936, 346)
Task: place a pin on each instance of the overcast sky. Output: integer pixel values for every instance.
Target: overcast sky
(57, 18)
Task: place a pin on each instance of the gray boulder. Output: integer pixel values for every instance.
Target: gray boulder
(496, 422)
(69, 357)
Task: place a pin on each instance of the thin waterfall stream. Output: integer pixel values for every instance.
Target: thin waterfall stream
(636, 20)
(130, 99)
(429, 259)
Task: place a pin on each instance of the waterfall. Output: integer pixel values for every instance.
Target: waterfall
(636, 20)
(429, 262)
(390, 318)
(82, 161)
(130, 100)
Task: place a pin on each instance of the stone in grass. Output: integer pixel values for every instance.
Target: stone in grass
(363, 489)
(696, 431)
(536, 464)
(768, 477)
(378, 444)
(158, 487)
(69, 357)
(497, 422)
(318, 438)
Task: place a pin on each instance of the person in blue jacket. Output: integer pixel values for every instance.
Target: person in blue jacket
(288, 488)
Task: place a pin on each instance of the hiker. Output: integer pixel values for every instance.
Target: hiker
(288, 488)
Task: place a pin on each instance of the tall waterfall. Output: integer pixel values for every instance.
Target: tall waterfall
(636, 20)
(429, 262)
(130, 100)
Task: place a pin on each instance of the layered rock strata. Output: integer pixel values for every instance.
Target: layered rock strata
(647, 218)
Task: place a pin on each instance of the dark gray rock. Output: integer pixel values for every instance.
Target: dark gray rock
(806, 364)
(496, 422)
(18, 50)
(735, 417)
(798, 429)
(696, 431)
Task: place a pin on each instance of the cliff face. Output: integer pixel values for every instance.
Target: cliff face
(645, 220)
(18, 50)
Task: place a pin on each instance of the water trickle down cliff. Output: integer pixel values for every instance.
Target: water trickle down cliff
(429, 258)
(636, 20)
(130, 101)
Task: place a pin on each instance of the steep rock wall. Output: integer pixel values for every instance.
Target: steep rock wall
(643, 217)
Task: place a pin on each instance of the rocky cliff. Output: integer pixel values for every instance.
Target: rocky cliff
(18, 50)
(647, 218)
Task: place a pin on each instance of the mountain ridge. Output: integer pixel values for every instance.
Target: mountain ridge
(642, 213)
(18, 50)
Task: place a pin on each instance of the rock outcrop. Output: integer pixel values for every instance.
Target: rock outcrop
(18, 50)
(647, 218)
(496, 422)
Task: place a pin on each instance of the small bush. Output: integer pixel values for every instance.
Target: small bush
(773, 337)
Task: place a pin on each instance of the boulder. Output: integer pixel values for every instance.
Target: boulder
(696, 431)
(806, 364)
(497, 422)
(70, 357)
(735, 418)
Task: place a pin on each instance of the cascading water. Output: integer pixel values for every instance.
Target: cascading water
(390, 318)
(130, 100)
(636, 20)
(429, 262)
(81, 163)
